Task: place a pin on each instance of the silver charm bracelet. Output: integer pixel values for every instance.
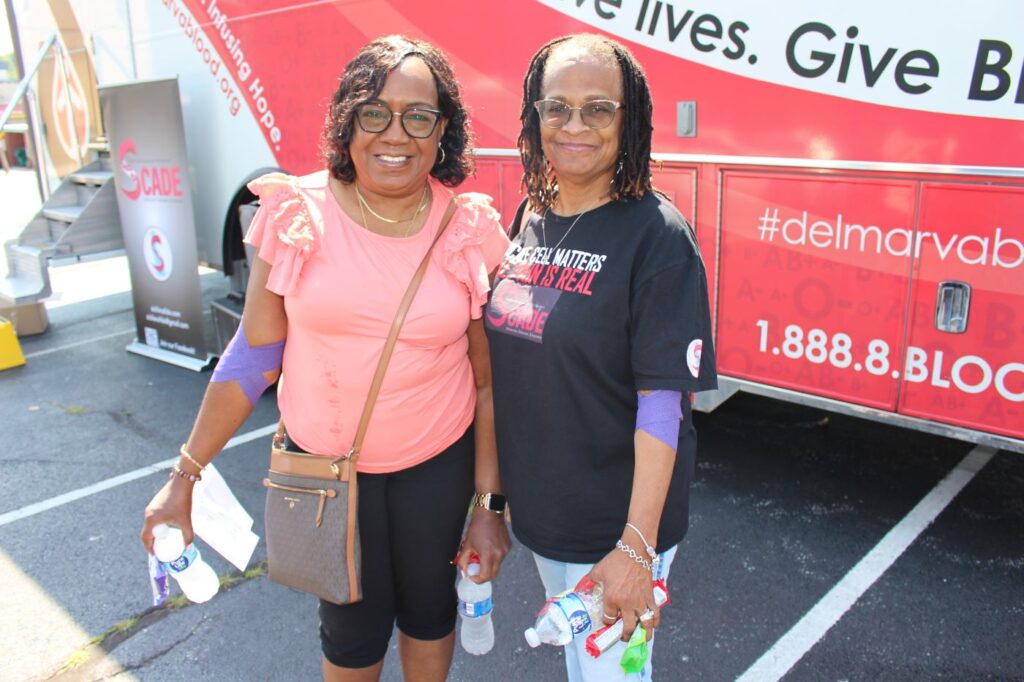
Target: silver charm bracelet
(634, 555)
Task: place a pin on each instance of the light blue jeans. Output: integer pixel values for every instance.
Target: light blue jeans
(558, 577)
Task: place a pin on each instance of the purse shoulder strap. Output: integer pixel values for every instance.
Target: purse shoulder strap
(389, 346)
(521, 218)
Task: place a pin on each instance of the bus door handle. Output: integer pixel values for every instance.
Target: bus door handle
(686, 119)
(952, 306)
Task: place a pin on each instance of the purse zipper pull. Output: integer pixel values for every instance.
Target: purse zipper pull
(320, 509)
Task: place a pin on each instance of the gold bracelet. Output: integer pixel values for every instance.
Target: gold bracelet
(181, 473)
(186, 455)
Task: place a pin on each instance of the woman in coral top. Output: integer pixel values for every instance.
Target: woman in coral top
(337, 250)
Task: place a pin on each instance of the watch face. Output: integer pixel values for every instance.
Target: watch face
(492, 501)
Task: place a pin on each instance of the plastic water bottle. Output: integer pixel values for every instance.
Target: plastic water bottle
(567, 616)
(196, 578)
(475, 607)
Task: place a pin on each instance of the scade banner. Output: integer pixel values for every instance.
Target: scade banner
(154, 200)
(940, 56)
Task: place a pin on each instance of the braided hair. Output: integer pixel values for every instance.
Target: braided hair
(363, 79)
(633, 172)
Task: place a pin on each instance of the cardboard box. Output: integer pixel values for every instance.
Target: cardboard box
(27, 318)
(10, 351)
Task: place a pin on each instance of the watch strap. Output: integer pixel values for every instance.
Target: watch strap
(494, 502)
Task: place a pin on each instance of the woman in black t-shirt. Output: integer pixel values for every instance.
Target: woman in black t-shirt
(599, 330)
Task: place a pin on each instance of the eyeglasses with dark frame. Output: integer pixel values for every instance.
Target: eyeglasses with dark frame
(596, 114)
(375, 117)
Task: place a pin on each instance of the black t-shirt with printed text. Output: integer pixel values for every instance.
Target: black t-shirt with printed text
(581, 317)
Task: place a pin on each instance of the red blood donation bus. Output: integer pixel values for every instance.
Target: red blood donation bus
(854, 171)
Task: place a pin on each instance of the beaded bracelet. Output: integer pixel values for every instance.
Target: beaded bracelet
(186, 455)
(181, 473)
(619, 544)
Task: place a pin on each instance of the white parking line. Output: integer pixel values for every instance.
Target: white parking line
(39, 353)
(778, 660)
(159, 467)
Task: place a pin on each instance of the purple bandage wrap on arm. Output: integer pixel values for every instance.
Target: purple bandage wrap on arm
(246, 364)
(659, 414)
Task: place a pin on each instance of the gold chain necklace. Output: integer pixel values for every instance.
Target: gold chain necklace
(390, 221)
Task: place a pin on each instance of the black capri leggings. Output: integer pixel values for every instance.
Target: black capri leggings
(410, 526)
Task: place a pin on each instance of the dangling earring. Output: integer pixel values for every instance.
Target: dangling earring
(551, 178)
(549, 171)
(440, 146)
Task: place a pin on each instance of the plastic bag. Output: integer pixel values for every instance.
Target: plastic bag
(637, 653)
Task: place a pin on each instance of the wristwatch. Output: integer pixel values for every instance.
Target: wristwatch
(494, 502)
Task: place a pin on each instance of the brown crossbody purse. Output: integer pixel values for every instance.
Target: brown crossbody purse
(311, 515)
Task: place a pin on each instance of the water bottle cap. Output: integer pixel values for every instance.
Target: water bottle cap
(532, 638)
(586, 584)
(473, 569)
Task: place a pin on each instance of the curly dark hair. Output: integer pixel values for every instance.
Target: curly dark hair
(633, 174)
(363, 79)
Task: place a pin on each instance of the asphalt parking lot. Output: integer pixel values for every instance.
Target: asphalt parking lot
(787, 501)
(812, 554)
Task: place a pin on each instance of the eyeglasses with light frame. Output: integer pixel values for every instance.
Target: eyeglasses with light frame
(595, 114)
(418, 122)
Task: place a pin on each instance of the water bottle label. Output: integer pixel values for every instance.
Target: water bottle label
(187, 558)
(575, 612)
(475, 609)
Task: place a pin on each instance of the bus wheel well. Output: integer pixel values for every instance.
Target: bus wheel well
(232, 248)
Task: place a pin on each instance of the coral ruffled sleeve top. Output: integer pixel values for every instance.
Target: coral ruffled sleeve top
(342, 285)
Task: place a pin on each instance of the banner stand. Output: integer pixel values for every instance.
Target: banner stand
(170, 357)
(154, 198)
